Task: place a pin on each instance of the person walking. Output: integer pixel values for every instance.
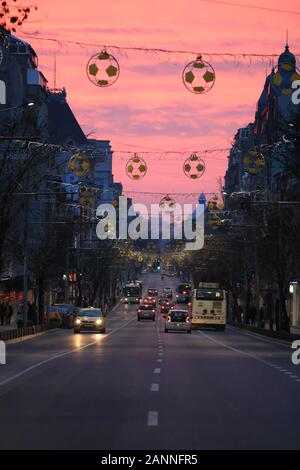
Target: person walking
(2, 313)
(9, 314)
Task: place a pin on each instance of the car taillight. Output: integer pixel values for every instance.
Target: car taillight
(177, 295)
(187, 319)
(139, 311)
(184, 292)
(169, 318)
(153, 311)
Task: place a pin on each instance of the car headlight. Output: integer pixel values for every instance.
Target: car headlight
(98, 321)
(126, 298)
(77, 321)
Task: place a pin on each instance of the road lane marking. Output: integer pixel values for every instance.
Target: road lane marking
(157, 370)
(152, 419)
(160, 353)
(252, 356)
(154, 388)
(58, 356)
(159, 360)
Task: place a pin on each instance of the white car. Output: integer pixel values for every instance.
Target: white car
(178, 320)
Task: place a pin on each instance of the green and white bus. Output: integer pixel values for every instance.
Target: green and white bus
(132, 293)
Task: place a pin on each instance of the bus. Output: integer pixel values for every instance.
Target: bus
(208, 306)
(183, 293)
(132, 293)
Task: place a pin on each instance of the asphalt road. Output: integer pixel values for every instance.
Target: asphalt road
(139, 388)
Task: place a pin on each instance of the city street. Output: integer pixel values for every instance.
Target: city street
(139, 388)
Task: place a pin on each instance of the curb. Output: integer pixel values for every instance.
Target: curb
(20, 339)
(266, 333)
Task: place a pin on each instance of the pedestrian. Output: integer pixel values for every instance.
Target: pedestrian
(240, 314)
(2, 313)
(9, 314)
(262, 317)
(33, 313)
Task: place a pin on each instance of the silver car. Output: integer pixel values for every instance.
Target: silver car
(178, 320)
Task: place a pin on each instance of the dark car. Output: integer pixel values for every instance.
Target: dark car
(166, 306)
(152, 292)
(149, 301)
(68, 313)
(146, 312)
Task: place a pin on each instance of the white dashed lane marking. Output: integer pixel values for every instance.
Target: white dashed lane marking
(152, 418)
(154, 388)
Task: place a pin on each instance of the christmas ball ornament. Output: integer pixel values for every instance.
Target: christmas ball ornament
(198, 76)
(215, 206)
(103, 69)
(87, 197)
(253, 162)
(194, 166)
(136, 168)
(79, 164)
(167, 203)
(283, 79)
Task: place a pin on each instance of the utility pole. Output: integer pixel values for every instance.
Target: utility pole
(25, 268)
(67, 277)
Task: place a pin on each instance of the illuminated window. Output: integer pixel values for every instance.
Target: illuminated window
(2, 92)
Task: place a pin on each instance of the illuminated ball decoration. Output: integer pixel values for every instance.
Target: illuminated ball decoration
(283, 78)
(167, 203)
(194, 166)
(87, 197)
(103, 69)
(79, 164)
(198, 76)
(215, 206)
(253, 162)
(136, 168)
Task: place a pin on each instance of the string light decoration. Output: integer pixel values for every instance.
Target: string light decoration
(79, 164)
(167, 203)
(198, 76)
(103, 69)
(253, 161)
(194, 166)
(136, 168)
(215, 206)
(236, 57)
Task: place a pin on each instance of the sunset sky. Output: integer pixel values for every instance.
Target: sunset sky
(148, 107)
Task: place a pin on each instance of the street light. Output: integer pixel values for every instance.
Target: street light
(24, 105)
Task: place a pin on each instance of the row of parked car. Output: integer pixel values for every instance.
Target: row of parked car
(63, 315)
